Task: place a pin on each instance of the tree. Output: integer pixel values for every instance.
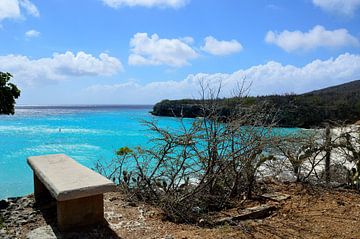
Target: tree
(8, 93)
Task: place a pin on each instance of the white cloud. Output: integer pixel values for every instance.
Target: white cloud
(269, 78)
(315, 38)
(32, 33)
(153, 50)
(216, 47)
(59, 66)
(343, 7)
(146, 3)
(11, 9)
(188, 40)
(29, 7)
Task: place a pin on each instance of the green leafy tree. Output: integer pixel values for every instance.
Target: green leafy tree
(8, 93)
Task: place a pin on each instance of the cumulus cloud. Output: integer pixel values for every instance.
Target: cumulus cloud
(315, 38)
(11, 9)
(216, 47)
(154, 50)
(32, 33)
(343, 7)
(146, 3)
(59, 66)
(269, 78)
(29, 7)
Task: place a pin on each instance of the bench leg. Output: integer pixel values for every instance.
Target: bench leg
(82, 212)
(41, 193)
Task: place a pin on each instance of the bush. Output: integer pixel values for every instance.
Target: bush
(196, 168)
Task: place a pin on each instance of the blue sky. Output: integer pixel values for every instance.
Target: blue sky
(142, 51)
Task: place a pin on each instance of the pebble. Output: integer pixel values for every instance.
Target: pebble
(22, 222)
(168, 237)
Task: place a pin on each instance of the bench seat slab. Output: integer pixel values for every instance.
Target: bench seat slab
(66, 179)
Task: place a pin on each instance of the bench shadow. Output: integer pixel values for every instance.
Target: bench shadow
(48, 211)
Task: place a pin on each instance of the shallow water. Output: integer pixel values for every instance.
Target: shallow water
(85, 133)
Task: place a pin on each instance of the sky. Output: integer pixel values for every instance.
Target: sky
(143, 51)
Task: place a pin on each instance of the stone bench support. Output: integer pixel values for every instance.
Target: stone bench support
(80, 212)
(77, 190)
(41, 193)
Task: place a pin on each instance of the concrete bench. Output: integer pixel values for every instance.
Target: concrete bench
(77, 189)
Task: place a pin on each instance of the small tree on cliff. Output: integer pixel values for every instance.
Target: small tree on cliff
(8, 93)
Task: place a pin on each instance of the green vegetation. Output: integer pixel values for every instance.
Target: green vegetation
(8, 93)
(334, 104)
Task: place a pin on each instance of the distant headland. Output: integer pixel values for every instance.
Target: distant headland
(340, 103)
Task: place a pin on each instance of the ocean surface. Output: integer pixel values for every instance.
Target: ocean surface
(85, 133)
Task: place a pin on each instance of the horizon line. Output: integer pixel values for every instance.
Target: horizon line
(79, 105)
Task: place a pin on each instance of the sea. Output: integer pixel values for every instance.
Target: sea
(85, 133)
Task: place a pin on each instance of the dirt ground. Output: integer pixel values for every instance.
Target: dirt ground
(309, 213)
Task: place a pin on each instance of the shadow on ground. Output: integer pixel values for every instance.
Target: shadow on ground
(51, 231)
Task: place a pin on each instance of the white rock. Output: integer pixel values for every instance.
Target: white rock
(45, 232)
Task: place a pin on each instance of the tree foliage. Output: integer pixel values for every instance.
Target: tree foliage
(8, 93)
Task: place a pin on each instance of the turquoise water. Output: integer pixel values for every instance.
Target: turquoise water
(85, 133)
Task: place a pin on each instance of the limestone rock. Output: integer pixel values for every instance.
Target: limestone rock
(278, 197)
(45, 232)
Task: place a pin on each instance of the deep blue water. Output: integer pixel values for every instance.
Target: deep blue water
(85, 133)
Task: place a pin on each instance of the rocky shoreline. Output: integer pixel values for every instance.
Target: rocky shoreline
(16, 212)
